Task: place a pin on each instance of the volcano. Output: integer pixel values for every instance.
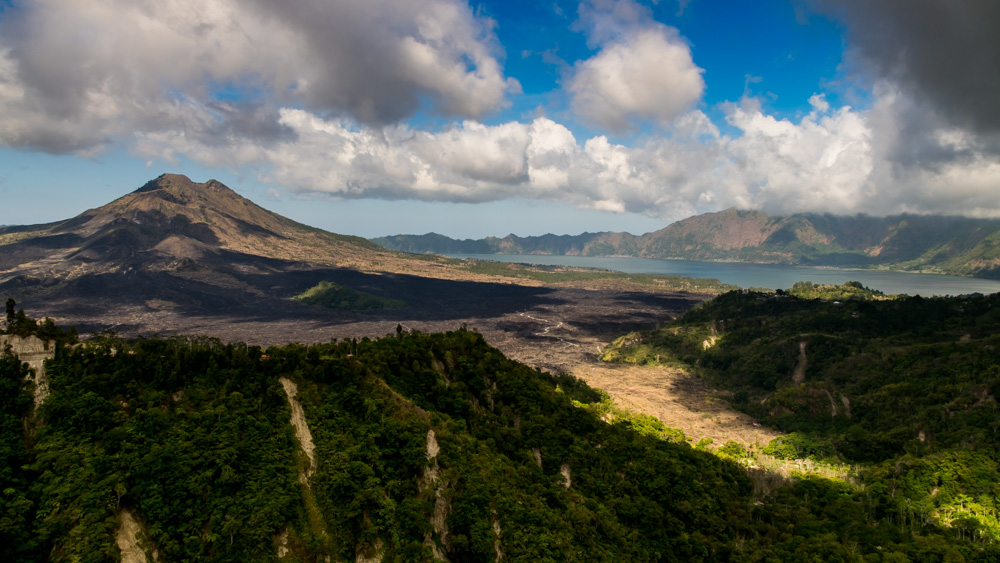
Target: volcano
(191, 248)
(180, 257)
(165, 225)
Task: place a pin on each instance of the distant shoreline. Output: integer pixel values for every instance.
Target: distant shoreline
(763, 275)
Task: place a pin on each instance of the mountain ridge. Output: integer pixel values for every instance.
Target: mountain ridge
(167, 223)
(934, 243)
(196, 249)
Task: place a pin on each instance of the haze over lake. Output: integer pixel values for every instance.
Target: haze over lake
(774, 276)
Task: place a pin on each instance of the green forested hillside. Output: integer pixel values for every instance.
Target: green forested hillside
(423, 444)
(16, 507)
(905, 389)
(333, 295)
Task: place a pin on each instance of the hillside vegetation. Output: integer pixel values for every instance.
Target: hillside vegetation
(905, 389)
(333, 295)
(407, 448)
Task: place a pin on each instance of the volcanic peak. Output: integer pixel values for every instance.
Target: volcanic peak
(168, 223)
(181, 189)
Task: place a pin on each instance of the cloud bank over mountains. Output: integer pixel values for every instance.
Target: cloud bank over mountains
(316, 95)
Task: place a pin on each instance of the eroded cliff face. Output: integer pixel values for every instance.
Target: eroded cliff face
(32, 351)
(725, 230)
(442, 505)
(302, 433)
(131, 539)
(307, 468)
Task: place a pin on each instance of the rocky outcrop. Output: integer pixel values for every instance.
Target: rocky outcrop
(565, 472)
(302, 434)
(847, 405)
(129, 536)
(439, 519)
(799, 375)
(283, 544)
(496, 537)
(32, 351)
(371, 554)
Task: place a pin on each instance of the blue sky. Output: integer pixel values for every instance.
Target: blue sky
(380, 117)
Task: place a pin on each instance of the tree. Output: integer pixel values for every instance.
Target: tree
(22, 324)
(10, 312)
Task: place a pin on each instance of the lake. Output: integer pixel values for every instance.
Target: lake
(774, 276)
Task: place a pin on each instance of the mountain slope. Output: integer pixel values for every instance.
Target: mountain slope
(179, 256)
(174, 244)
(953, 245)
(413, 447)
(905, 389)
(712, 236)
(168, 222)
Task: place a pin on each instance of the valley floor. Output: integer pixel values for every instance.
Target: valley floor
(678, 399)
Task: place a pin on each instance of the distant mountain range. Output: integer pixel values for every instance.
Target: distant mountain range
(931, 243)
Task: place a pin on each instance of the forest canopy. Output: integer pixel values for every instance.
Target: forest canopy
(904, 389)
(424, 446)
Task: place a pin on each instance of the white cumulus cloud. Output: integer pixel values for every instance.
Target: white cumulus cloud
(837, 160)
(643, 69)
(820, 163)
(646, 74)
(311, 95)
(78, 76)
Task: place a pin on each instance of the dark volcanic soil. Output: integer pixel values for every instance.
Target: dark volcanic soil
(550, 328)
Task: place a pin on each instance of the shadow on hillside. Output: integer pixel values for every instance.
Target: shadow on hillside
(241, 297)
(122, 301)
(427, 299)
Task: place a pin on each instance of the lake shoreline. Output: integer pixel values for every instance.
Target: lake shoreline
(763, 275)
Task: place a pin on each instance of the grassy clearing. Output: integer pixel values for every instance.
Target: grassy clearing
(342, 298)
